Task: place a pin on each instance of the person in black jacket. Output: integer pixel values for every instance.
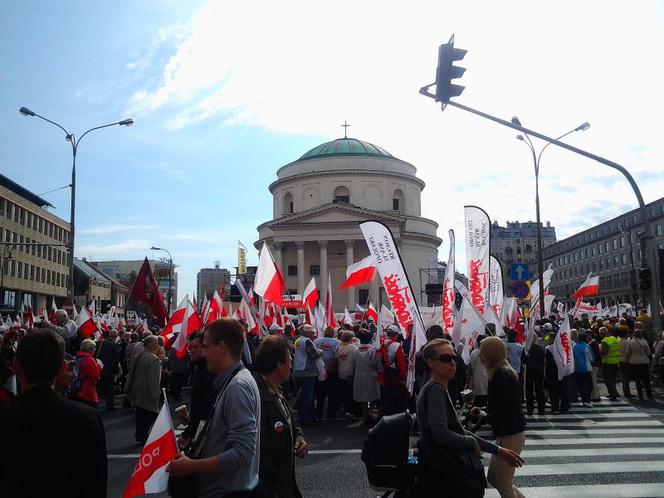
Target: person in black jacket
(504, 409)
(203, 392)
(108, 352)
(50, 445)
(535, 378)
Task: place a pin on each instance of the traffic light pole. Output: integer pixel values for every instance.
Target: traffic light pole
(647, 236)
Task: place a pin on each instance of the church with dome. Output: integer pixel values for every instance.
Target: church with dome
(318, 202)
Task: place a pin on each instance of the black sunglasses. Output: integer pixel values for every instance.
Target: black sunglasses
(447, 358)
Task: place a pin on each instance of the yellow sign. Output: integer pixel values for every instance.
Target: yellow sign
(241, 258)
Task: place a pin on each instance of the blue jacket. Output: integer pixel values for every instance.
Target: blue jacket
(583, 357)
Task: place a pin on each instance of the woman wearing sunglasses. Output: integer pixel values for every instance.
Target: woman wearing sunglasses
(449, 457)
(504, 408)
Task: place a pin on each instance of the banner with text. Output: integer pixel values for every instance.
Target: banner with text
(449, 309)
(478, 228)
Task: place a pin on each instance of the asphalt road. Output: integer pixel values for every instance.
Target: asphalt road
(614, 449)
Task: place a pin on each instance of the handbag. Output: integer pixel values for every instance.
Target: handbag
(461, 469)
(186, 487)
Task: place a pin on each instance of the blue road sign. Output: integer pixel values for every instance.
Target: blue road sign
(519, 271)
(520, 289)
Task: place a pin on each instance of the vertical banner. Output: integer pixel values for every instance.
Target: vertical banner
(241, 258)
(449, 309)
(496, 291)
(478, 228)
(397, 286)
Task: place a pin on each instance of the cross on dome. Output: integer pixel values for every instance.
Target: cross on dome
(345, 127)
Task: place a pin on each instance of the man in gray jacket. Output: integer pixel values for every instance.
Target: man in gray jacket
(226, 456)
(142, 387)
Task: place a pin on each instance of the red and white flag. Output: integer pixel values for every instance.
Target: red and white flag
(371, 311)
(74, 312)
(205, 310)
(31, 318)
(269, 283)
(175, 321)
(449, 296)
(216, 307)
(150, 474)
(54, 308)
(85, 323)
(478, 231)
(190, 323)
(590, 287)
(347, 318)
(562, 350)
(360, 272)
(310, 295)
(496, 292)
(329, 308)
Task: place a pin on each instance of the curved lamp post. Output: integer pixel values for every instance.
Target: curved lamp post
(536, 162)
(71, 138)
(170, 275)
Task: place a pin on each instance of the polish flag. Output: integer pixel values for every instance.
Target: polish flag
(74, 312)
(190, 323)
(216, 307)
(150, 474)
(308, 315)
(590, 287)
(175, 321)
(347, 318)
(360, 272)
(54, 308)
(269, 283)
(205, 310)
(85, 323)
(310, 296)
(371, 311)
(31, 318)
(248, 317)
(329, 309)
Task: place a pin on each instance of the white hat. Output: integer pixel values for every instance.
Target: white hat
(275, 328)
(393, 329)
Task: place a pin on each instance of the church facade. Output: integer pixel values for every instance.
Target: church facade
(318, 202)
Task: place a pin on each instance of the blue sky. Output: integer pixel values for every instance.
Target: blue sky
(223, 94)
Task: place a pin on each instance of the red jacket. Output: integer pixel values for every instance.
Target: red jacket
(391, 355)
(89, 374)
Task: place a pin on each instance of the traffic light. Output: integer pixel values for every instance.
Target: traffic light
(644, 279)
(446, 72)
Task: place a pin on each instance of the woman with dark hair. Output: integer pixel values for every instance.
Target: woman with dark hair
(504, 408)
(280, 439)
(449, 456)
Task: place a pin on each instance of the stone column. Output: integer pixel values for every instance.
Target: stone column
(300, 266)
(277, 250)
(323, 269)
(350, 259)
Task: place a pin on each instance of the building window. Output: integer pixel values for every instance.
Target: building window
(342, 195)
(395, 205)
(660, 229)
(292, 270)
(624, 259)
(363, 296)
(9, 299)
(288, 203)
(314, 270)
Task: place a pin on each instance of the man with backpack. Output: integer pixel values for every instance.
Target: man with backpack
(392, 374)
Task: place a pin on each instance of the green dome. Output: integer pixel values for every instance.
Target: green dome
(345, 147)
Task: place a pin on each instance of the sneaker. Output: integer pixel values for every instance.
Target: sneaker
(587, 405)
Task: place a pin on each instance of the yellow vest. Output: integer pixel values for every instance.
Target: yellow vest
(613, 357)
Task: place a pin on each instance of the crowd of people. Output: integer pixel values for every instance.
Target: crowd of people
(251, 395)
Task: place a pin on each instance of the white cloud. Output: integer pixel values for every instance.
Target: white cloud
(127, 248)
(302, 67)
(110, 229)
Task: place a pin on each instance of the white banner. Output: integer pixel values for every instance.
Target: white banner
(496, 292)
(478, 228)
(535, 293)
(397, 286)
(449, 309)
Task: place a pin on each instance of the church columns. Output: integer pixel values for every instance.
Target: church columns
(350, 256)
(277, 252)
(300, 267)
(323, 269)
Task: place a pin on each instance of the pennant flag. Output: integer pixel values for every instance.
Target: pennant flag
(449, 296)
(478, 230)
(347, 318)
(190, 323)
(145, 289)
(590, 287)
(268, 282)
(496, 291)
(329, 308)
(397, 286)
(85, 323)
(241, 258)
(360, 272)
(150, 474)
(310, 295)
(562, 350)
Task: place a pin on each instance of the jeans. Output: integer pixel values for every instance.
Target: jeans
(609, 372)
(306, 406)
(584, 383)
(329, 389)
(559, 395)
(642, 377)
(535, 390)
(144, 421)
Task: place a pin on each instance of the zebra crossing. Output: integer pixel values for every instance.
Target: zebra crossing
(610, 450)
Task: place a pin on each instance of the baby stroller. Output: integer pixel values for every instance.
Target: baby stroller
(385, 454)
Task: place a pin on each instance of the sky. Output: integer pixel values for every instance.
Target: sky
(224, 93)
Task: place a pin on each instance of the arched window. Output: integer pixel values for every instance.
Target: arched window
(397, 201)
(288, 203)
(341, 194)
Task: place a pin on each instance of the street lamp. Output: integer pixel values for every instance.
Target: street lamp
(170, 275)
(71, 138)
(536, 163)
